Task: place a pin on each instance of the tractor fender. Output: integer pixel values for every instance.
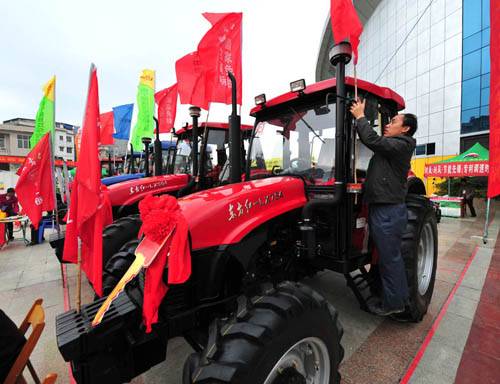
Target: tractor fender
(132, 191)
(225, 215)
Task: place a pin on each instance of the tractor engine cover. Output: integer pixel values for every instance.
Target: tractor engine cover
(115, 351)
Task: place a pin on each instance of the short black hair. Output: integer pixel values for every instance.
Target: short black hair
(410, 120)
(11, 190)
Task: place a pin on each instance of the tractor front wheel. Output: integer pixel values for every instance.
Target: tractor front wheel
(288, 335)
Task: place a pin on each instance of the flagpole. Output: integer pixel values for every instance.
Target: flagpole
(486, 222)
(355, 153)
(52, 173)
(79, 280)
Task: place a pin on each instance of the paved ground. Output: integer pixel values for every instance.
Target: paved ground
(377, 350)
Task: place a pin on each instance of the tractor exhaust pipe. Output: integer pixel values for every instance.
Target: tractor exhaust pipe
(340, 55)
(234, 136)
(195, 112)
(157, 150)
(131, 168)
(146, 141)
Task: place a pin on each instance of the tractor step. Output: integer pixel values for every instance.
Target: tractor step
(361, 284)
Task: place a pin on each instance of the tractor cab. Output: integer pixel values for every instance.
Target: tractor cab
(296, 133)
(213, 149)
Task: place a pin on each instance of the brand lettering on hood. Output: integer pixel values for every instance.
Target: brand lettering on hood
(241, 208)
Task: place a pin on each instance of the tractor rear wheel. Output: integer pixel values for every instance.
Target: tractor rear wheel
(117, 234)
(419, 250)
(288, 335)
(117, 265)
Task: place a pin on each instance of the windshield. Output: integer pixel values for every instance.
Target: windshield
(297, 142)
(182, 157)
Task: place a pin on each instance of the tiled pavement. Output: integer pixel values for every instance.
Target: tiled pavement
(377, 350)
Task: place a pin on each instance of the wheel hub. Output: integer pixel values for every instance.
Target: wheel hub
(425, 258)
(290, 376)
(306, 362)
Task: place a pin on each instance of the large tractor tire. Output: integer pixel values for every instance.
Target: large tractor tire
(117, 265)
(288, 335)
(419, 249)
(117, 234)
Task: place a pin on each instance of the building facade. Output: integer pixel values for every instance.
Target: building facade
(434, 53)
(15, 137)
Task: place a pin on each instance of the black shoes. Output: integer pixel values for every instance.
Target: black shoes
(380, 310)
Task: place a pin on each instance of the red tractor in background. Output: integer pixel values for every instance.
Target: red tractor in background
(243, 310)
(187, 171)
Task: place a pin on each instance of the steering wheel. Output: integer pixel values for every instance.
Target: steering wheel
(297, 164)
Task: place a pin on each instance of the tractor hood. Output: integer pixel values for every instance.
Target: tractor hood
(226, 214)
(131, 191)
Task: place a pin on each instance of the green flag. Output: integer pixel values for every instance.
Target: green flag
(146, 103)
(45, 116)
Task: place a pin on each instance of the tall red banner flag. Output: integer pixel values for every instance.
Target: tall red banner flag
(220, 50)
(35, 187)
(107, 128)
(167, 108)
(494, 177)
(345, 24)
(191, 80)
(90, 209)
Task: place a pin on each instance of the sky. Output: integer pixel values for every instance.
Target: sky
(39, 39)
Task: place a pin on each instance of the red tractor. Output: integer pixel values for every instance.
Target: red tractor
(243, 310)
(187, 171)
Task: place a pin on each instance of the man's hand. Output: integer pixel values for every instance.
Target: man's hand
(358, 109)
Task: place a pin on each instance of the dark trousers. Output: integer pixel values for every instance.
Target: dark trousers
(387, 223)
(10, 230)
(469, 203)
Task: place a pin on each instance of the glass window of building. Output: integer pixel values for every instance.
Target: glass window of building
(61, 149)
(68, 139)
(61, 138)
(23, 141)
(69, 150)
(475, 66)
(420, 150)
(431, 149)
(2, 142)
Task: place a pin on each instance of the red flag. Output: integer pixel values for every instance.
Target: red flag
(220, 50)
(34, 188)
(107, 128)
(494, 177)
(90, 209)
(167, 108)
(345, 24)
(191, 80)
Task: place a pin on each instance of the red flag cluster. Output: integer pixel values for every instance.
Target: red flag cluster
(107, 128)
(90, 209)
(345, 24)
(35, 187)
(202, 75)
(167, 108)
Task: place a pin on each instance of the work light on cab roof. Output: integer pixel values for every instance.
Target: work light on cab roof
(260, 99)
(298, 85)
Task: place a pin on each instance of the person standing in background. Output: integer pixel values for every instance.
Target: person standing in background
(467, 192)
(9, 205)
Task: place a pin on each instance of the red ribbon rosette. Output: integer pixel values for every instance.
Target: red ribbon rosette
(162, 218)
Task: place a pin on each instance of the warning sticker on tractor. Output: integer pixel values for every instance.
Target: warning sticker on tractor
(360, 222)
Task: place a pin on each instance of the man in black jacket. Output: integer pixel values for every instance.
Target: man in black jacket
(385, 192)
